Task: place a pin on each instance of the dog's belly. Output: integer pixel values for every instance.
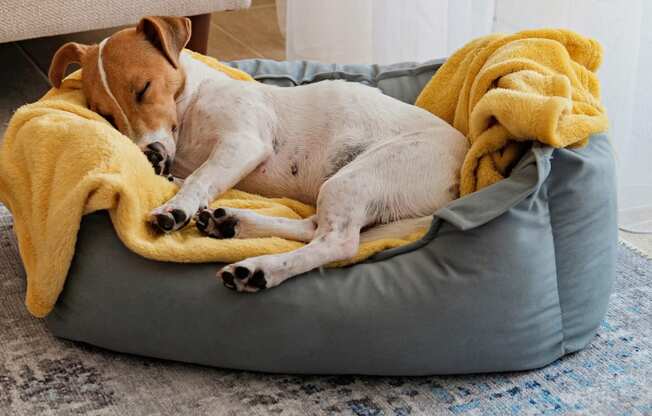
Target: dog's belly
(298, 177)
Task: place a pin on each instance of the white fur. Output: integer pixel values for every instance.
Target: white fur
(107, 89)
(290, 142)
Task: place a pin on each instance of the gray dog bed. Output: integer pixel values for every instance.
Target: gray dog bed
(509, 278)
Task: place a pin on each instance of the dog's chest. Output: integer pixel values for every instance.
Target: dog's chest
(296, 167)
(192, 151)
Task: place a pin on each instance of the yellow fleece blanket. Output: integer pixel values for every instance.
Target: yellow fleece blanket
(59, 161)
(503, 91)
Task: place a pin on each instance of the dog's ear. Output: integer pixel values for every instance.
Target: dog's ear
(168, 33)
(70, 53)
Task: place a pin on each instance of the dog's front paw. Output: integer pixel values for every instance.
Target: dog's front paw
(159, 158)
(243, 277)
(168, 218)
(217, 223)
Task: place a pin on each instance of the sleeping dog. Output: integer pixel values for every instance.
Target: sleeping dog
(364, 159)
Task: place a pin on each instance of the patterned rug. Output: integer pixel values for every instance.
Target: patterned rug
(40, 374)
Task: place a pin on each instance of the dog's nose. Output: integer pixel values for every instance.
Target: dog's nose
(154, 157)
(156, 147)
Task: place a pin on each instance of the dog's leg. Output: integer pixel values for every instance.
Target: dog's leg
(409, 177)
(339, 220)
(243, 223)
(233, 158)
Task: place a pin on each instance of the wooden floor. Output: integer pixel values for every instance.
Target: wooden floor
(251, 33)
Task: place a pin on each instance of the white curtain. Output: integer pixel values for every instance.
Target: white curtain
(387, 31)
(381, 31)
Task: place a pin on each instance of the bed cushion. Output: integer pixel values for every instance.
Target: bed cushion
(508, 278)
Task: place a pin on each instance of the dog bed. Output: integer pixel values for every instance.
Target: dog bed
(511, 277)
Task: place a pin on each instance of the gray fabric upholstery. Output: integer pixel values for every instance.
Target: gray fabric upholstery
(509, 278)
(403, 81)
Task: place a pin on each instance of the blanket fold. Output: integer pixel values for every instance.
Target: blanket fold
(503, 91)
(60, 161)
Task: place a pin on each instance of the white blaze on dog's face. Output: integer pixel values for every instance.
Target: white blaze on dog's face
(133, 78)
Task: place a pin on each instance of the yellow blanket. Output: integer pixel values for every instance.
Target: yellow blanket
(502, 91)
(59, 161)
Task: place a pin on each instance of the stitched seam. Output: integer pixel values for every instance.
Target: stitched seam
(554, 245)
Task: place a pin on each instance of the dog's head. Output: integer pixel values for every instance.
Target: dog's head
(133, 78)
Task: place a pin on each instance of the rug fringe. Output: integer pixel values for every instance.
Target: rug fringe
(634, 248)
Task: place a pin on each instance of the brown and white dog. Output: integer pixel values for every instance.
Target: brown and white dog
(362, 157)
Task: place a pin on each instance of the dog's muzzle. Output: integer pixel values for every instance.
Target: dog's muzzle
(158, 157)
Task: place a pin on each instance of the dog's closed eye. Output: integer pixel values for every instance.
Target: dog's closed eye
(140, 94)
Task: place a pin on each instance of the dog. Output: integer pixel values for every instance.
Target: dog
(365, 160)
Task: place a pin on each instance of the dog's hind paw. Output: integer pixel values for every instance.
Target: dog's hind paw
(217, 223)
(242, 278)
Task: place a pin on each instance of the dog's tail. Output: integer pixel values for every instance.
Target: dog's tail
(396, 229)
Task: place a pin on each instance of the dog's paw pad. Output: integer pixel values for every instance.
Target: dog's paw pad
(258, 280)
(242, 272)
(242, 278)
(170, 220)
(164, 221)
(180, 217)
(203, 219)
(227, 279)
(217, 224)
(219, 213)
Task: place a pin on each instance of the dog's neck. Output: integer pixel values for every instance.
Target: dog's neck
(196, 72)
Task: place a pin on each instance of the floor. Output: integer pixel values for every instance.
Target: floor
(231, 36)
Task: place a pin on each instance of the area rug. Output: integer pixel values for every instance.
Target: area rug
(42, 375)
